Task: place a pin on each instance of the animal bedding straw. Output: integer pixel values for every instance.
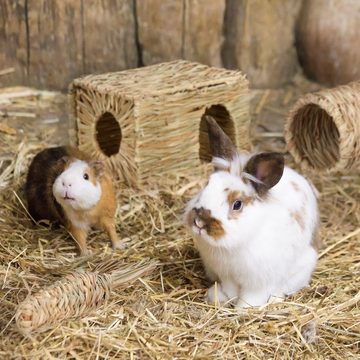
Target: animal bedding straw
(164, 315)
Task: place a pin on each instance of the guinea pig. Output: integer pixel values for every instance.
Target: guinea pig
(65, 186)
(255, 225)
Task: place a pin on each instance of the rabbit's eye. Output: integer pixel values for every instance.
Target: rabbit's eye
(86, 176)
(237, 205)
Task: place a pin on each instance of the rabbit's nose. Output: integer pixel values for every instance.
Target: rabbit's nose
(199, 223)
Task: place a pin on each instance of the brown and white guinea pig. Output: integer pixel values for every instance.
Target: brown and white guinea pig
(63, 185)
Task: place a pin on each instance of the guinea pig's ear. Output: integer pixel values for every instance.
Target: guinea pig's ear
(265, 170)
(64, 160)
(220, 144)
(98, 167)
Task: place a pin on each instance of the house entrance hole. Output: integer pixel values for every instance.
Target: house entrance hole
(223, 118)
(316, 137)
(108, 134)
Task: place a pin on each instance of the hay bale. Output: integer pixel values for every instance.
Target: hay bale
(327, 37)
(259, 40)
(323, 129)
(148, 122)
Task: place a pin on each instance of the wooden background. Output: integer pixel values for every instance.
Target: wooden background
(47, 43)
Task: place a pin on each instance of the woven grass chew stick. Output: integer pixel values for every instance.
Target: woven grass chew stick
(323, 129)
(77, 295)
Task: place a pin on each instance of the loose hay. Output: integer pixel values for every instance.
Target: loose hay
(164, 315)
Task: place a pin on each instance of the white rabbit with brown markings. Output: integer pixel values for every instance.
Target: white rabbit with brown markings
(254, 224)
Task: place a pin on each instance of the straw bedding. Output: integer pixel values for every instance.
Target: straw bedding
(163, 315)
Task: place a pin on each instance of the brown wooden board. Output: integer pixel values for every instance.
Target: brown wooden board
(203, 31)
(49, 43)
(260, 40)
(55, 37)
(13, 41)
(161, 24)
(109, 35)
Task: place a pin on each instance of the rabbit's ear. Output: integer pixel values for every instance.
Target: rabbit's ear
(267, 169)
(220, 144)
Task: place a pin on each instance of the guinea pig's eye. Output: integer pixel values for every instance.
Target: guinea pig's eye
(237, 205)
(86, 176)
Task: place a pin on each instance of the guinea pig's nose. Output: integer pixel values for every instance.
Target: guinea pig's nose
(66, 183)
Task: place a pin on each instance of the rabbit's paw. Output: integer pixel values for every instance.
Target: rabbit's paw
(216, 295)
(251, 299)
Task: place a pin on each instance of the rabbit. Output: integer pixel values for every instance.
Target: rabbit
(65, 186)
(254, 224)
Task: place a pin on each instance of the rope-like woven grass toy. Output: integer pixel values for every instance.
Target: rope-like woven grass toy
(78, 294)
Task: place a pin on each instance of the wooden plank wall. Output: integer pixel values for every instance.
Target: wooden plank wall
(49, 42)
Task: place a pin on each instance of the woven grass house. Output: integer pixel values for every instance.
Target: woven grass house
(148, 122)
(322, 130)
